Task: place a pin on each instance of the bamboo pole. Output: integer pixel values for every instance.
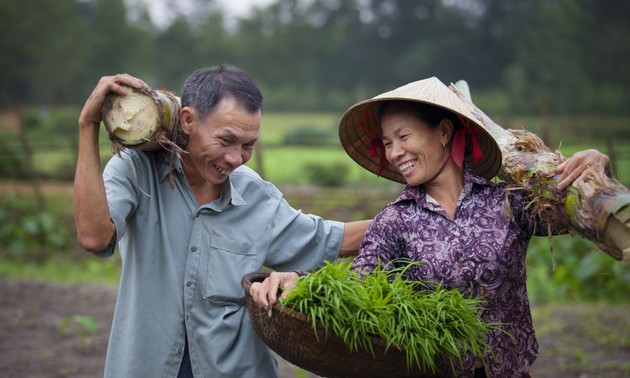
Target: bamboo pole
(595, 207)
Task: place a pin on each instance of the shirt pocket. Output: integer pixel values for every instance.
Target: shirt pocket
(227, 262)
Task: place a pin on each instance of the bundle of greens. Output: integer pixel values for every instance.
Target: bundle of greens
(428, 324)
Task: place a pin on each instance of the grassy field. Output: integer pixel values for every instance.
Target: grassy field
(53, 140)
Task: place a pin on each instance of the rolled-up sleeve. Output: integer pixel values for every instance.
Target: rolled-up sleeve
(301, 241)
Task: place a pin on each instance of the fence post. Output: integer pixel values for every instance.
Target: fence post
(30, 175)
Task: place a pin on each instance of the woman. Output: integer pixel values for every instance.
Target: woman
(450, 216)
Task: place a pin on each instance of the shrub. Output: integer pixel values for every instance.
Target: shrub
(12, 163)
(328, 175)
(582, 272)
(307, 136)
(26, 228)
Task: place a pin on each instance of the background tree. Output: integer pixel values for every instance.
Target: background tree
(569, 55)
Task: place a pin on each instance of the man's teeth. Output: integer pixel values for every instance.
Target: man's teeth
(407, 166)
(223, 171)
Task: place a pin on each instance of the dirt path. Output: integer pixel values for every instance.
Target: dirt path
(47, 330)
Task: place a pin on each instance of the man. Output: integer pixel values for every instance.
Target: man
(180, 307)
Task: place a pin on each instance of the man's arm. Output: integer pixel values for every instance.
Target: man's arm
(266, 293)
(352, 235)
(91, 212)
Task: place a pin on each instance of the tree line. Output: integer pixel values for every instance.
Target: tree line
(567, 56)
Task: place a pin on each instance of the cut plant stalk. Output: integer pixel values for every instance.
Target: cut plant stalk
(595, 207)
(143, 119)
(146, 120)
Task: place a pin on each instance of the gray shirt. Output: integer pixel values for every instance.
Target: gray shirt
(183, 264)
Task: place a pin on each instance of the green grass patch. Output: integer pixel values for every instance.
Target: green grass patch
(71, 269)
(275, 126)
(288, 165)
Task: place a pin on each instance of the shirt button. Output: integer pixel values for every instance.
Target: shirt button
(180, 351)
(188, 283)
(194, 249)
(453, 226)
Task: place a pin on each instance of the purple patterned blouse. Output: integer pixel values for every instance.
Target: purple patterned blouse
(482, 251)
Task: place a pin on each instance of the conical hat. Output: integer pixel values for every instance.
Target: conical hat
(360, 125)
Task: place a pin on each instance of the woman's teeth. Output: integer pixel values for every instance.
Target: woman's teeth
(407, 166)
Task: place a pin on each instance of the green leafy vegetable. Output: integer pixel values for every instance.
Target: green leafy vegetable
(428, 324)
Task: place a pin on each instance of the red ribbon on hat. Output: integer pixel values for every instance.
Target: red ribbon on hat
(377, 149)
(459, 143)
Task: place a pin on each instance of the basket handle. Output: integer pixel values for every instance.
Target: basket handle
(251, 278)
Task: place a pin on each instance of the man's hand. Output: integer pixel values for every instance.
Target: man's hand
(573, 168)
(265, 294)
(91, 112)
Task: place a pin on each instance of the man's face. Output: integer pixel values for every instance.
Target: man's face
(221, 142)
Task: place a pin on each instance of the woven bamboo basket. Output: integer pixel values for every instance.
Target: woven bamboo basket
(290, 334)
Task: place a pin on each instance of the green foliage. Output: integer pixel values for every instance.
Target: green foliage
(582, 272)
(12, 162)
(25, 228)
(428, 324)
(328, 175)
(69, 266)
(308, 135)
(315, 55)
(276, 125)
(80, 324)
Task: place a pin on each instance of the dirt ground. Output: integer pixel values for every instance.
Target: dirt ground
(55, 330)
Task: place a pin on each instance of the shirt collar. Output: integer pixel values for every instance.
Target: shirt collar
(418, 194)
(229, 193)
(165, 168)
(232, 193)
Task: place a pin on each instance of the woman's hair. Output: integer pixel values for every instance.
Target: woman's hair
(430, 114)
(206, 87)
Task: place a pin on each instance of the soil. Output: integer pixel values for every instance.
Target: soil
(56, 330)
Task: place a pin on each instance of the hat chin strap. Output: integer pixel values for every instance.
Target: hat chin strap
(449, 157)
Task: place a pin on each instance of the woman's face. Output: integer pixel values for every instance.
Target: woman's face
(221, 142)
(414, 147)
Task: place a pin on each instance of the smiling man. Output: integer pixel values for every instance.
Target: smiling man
(189, 229)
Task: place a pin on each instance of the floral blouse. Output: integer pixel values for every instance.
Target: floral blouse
(480, 252)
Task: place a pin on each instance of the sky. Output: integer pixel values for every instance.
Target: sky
(241, 7)
(232, 8)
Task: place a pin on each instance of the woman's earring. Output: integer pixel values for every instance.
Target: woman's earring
(443, 145)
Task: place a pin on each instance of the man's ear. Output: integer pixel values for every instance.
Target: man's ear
(187, 118)
(446, 128)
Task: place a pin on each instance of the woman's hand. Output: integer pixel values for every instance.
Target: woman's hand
(265, 294)
(91, 112)
(573, 168)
